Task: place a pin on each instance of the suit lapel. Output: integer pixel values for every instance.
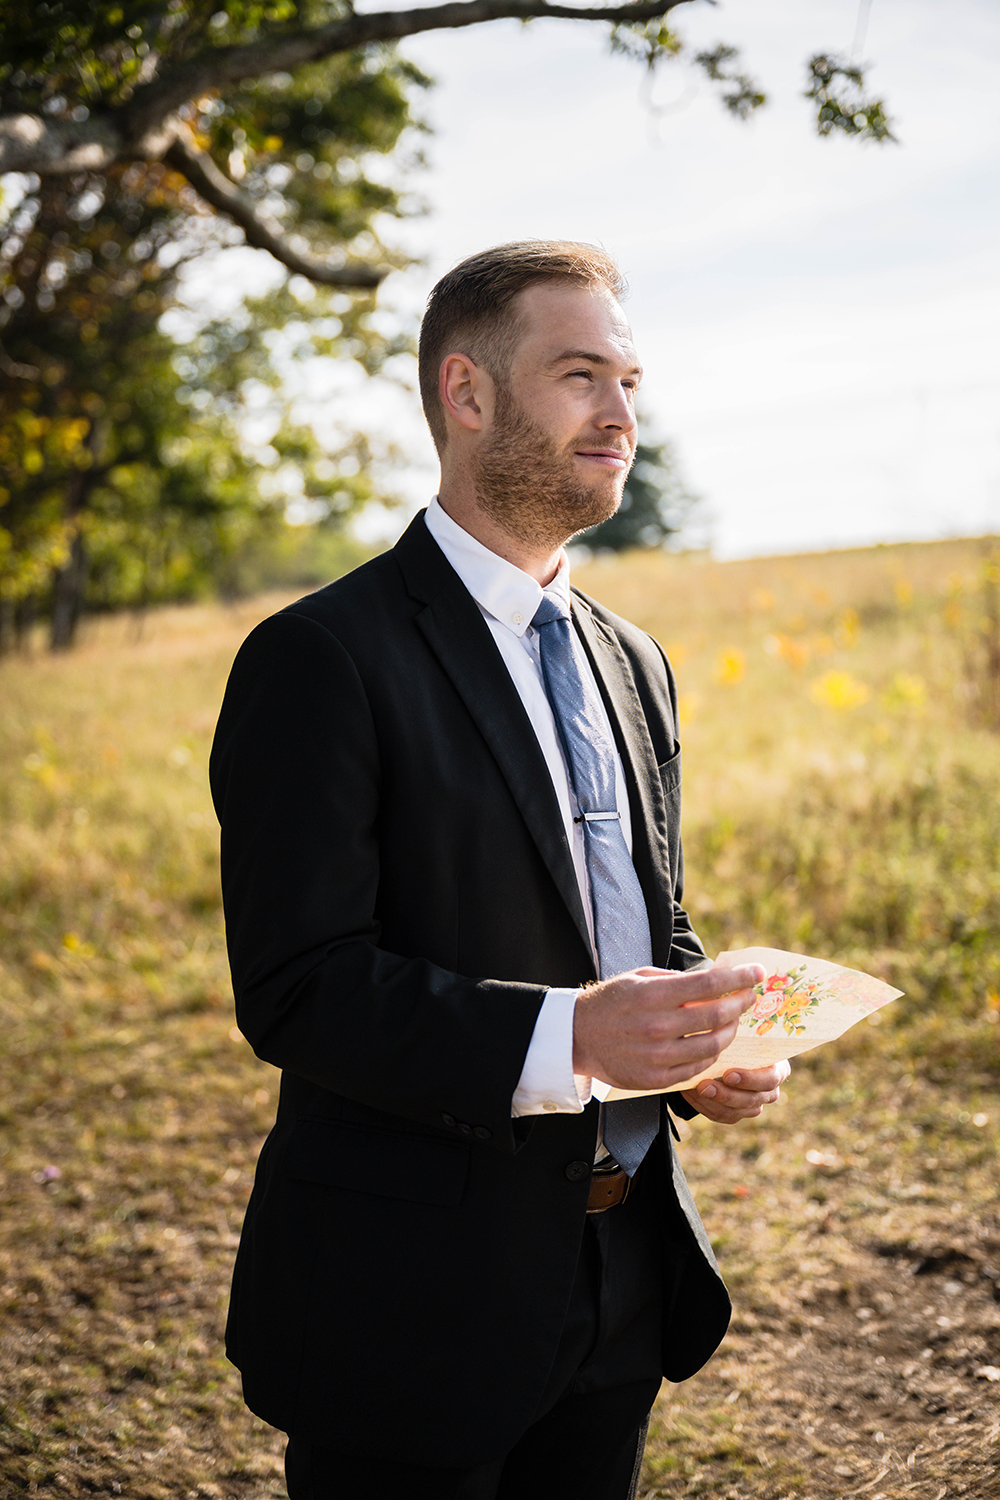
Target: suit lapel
(454, 628)
(648, 809)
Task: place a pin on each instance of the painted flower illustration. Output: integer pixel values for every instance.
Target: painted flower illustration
(786, 999)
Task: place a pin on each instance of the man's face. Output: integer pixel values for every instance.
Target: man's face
(557, 451)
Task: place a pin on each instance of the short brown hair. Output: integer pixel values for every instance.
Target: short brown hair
(470, 308)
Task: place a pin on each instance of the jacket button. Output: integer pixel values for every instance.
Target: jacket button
(465, 1129)
(482, 1134)
(578, 1170)
(448, 1119)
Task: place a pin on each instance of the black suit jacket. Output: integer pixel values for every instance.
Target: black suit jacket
(399, 895)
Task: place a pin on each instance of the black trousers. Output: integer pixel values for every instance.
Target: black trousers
(586, 1439)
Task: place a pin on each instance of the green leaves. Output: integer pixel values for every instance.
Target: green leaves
(650, 42)
(742, 96)
(837, 89)
(162, 485)
(645, 41)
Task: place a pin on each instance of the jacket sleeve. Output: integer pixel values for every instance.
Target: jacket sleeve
(296, 771)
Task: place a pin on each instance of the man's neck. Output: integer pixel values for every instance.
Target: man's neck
(542, 564)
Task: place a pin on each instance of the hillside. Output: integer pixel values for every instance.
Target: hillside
(841, 732)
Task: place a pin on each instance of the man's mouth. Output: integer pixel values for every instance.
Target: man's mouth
(609, 458)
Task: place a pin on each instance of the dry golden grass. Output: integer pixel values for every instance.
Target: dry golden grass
(840, 800)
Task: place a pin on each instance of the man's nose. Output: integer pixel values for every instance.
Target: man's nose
(617, 410)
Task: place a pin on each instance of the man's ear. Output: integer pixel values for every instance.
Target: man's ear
(466, 391)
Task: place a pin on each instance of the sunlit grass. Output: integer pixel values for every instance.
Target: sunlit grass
(841, 799)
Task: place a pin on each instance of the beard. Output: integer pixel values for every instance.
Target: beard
(528, 486)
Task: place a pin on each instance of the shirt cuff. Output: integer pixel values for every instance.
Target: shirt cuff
(547, 1084)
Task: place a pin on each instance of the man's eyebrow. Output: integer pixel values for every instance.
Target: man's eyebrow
(568, 355)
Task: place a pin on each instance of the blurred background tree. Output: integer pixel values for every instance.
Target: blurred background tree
(134, 464)
(656, 504)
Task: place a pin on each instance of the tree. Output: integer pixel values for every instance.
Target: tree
(656, 503)
(127, 466)
(122, 458)
(148, 133)
(224, 91)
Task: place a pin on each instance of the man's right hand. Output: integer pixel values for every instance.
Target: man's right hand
(654, 1028)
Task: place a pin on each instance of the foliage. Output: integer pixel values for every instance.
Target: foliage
(126, 472)
(226, 92)
(82, 425)
(742, 96)
(656, 504)
(648, 42)
(72, 63)
(837, 89)
(147, 134)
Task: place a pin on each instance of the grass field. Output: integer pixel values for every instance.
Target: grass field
(841, 799)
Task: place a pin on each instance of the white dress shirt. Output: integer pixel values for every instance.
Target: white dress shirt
(508, 598)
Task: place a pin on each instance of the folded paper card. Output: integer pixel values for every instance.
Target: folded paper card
(801, 1003)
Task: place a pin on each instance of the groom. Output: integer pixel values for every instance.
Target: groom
(449, 793)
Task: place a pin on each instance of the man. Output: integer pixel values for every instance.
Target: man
(447, 1286)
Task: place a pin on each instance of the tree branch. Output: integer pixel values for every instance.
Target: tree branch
(32, 143)
(263, 233)
(145, 127)
(14, 370)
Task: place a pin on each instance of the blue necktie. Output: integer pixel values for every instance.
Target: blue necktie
(621, 926)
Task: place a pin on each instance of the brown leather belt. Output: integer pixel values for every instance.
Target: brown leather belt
(607, 1190)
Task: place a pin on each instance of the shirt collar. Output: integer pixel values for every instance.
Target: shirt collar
(499, 587)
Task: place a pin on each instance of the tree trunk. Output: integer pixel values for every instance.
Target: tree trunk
(68, 590)
(7, 625)
(69, 583)
(25, 615)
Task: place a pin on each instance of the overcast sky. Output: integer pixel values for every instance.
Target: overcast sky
(819, 319)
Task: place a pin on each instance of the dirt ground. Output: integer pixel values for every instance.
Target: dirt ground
(864, 1354)
(863, 1358)
(880, 1381)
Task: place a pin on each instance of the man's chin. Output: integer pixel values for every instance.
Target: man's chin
(600, 507)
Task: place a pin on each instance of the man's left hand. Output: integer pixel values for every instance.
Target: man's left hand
(739, 1094)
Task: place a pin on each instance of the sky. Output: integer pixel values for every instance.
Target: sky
(819, 319)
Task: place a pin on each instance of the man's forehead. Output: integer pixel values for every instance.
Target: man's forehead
(566, 320)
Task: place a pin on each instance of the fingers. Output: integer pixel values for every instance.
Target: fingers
(762, 1079)
(739, 1095)
(719, 1111)
(741, 1103)
(684, 1004)
(697, 985)
(679, 1057)
(651, 1028)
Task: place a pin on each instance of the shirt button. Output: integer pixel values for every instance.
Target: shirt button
(517, 619)
(550, 1105)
